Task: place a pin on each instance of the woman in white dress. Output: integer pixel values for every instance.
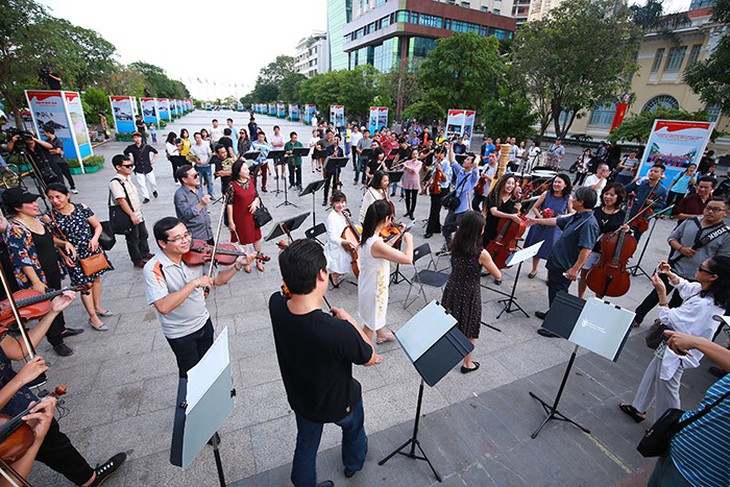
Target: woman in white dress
(375, 259)
(336, 249)
(377, 190)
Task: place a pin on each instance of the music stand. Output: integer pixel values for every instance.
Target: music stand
(596, 325)
(300, 151)
(339, 163)
(434, 346)
(518, 257)
(285, 227)
(278, 157)
(204, 401)
(394, 177)
(654, 218)
(312, 188)
(252, 155)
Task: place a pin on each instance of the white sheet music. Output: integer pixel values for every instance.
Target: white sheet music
(208, 369)
(524, 254)
(424, 329)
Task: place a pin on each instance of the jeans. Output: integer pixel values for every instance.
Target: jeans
(556, 282)
(361, 167)
(309, 433)
(652, 299)
(137, 245)
(58, 453)
(206, 177)
(666, 474)
(190, 349)
(411, 198)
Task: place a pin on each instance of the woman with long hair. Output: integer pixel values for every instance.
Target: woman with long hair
(242, 201)
(557, 200)
(77, 225)
(375, 258)
(184, 144)
(703, 299)
(500, 203)
(582, 166)
(243, 144)
(376, 190)
(682, 184)
(462, 296)
(412, 182)
(337, 250)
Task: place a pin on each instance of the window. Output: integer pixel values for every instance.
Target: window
(414, 17)
(713, 112)
(675, 58)
(485, 8)
(384, 22)
(431, 21)
(602, 115)
(694, 54)
(657, 60)
(496, 11)
(466, 4)
(402, 16)
(661, 101)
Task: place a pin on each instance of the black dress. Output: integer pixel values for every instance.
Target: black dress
(462, 294)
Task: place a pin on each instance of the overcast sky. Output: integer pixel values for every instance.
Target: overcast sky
(221, 41)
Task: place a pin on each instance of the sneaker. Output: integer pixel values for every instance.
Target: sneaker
(145, 201)
(63, 350)
(154, 193)
(74, 191)
(106, 470)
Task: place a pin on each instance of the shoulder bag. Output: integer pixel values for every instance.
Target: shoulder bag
(261, 216)
(91, 264)
(121, 223)
(452, 201)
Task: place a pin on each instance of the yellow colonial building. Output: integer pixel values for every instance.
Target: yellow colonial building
(664, 54)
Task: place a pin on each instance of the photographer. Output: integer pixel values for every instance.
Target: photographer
(54, 146)
(26, 142)
(53, 80)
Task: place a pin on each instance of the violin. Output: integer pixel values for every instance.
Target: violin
(16, 437)
(201, 253)
(287, 294)
(609, 276)
(640, 223)
(352, 234)
(434, 182)
(392, 233)
(31, 304)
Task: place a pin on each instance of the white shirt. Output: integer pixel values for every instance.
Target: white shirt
(314, 121)
(202, 152)
(355, 138)
(591, 181)
(216, 133)
(171, 149)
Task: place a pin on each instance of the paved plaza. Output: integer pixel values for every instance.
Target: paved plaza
(476, 428)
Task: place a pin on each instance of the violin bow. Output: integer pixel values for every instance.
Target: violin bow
(14, 308)
(216, 239)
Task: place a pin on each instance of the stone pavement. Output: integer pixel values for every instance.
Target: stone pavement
(122, 383)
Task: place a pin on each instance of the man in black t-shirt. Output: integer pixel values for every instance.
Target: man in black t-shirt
(222, 166)
(315, 352)
(144, 157)
(54, 148)
(141, 127)
(227, 142)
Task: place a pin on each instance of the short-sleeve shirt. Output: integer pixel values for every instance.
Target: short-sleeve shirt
(202, 152)
(117, 186)
(580, 231)
(315, 352)
(607, 223)
(689, 233)
(56, 143)
(490, 227)
(141, 157)
(264, 148)
(691, 205)
(297, 161)
(162, 277)
(226, 142)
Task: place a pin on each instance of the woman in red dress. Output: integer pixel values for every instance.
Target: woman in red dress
(242, 200)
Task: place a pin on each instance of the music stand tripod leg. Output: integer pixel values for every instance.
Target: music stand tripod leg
(215, 441)
(511, 300)
(637, 268)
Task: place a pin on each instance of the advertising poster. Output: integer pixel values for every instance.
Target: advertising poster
(676, 144)
(123, 113)
(272, 109)
(293, 112)
(309, 111)
(280, 110)
(460, 122)
(150, 113)
(163, 109)
(378, 119)
(337, 115)
(79, 130)
(239, 107)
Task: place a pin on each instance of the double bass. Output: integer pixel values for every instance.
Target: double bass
(609, 277)
(352, 234)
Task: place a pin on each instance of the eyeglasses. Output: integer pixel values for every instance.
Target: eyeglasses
(184, 236)
(714, 209)
(127, 165)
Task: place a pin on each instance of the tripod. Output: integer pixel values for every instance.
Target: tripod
(413, 441)
(637, 268)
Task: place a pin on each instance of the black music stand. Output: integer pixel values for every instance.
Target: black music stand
(394, 178)
(635, 269)
(596, 325)
(339, 163)
(312, 188)
(254, 166)
(285, 227)
(517, 257)
(278, 157)
(252, 155)
(434, 346)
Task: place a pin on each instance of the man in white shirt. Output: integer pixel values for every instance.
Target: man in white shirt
(598, 181)
(355, 137)
(125, 195)
(202, 152)
(216, 132)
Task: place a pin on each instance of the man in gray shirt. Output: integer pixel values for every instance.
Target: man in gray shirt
(365, 143)
(192, 208)
(693, 241)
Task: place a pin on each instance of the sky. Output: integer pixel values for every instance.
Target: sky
(225, 42)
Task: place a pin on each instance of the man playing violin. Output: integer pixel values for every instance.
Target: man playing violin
(56, 449)
(191, 205)
(648, 193)
(177, 293)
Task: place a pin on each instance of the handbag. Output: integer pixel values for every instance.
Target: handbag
(107, 240)
(656, 334)
(91, 264)
(261, 216)
(452, 201)
(121, 223)
(656, 439)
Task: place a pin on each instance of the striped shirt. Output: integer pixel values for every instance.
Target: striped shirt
(701, 450)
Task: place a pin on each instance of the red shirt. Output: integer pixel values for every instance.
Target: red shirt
(690, 205)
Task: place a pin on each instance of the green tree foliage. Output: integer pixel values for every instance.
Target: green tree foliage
(579, 56)
(710, 78)
(647, 16)
(277, 70)
(94, 101)
(265, 92)
(510, 113)
(123, 80)
(289, 87)
(637, 127)
(424, 111)
(356, 89)
(462, 71)
(158, 83)
(399, 88)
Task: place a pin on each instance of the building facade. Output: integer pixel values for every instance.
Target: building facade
(538, 9)
(662, 60)
(401, 32)
(339, 13)
(312, 55)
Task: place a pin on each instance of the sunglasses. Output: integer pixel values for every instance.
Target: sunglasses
(127, 165)
(705, 270)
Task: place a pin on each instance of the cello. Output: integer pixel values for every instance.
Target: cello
(609, 276)
(352, 234)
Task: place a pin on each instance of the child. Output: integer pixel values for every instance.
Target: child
(153, 132)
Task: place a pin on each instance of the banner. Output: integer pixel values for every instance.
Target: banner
(618, 117)
(280, 110)
(272, 109)
(163, 109)
(460, 122)
(309, 111)
(676, 144)
(239, 107)
(337, 115)
(150, 113)
(293, 112)
(378, 119)
(123, 113)
(62, 111)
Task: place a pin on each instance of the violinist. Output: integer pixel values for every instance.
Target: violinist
(377, 190)
(176, 291)
(610, 217)
(648, 193)
(191, 204)
(337, 249)
(438, 188)
(56, 449)
(377, 162)
(486, 176)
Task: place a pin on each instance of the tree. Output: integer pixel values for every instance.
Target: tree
(356, 89)
(265, 92)
(158, 83)
(579, 56)
(710, 78)
(462, 70)
(637, 127)
(277, 70)
(510, 113)
(123, 80)
(399, 88)
(94, 101)
(289, 87)
(647, 16)
(424, 111)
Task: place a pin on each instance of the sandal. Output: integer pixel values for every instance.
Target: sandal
(260, 266)
(335, 285)
(262, 257)
(389, 337)
(247, 268)
(630, 410)
(378, 359)
(532, 275)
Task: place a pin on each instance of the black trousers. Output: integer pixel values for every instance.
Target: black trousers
(137, 245)
(58, 453)
(451, 222)
(177, 161)
(673, 198)
(190, 349)
(434, 214)
(411, 199)
(55, 331)
(556, 282)
(332, 177)
(66, 172)
(653, 299)
(295, 175)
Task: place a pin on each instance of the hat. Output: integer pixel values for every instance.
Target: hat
(136, 134)
(14, 197)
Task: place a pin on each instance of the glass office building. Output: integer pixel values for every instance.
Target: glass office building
(339, 13)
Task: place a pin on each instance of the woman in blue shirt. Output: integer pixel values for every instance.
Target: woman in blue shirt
(681, 185)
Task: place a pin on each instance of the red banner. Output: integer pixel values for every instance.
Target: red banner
(621, 109)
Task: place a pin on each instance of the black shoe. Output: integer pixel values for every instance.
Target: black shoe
(154, 193)
(264, 190)
(145, 201)
(69, 332)
(546, 333)
(717, 372)
(104, 471)
(63, 350)
(540, 314)
(326, 483)
(428, 235)
(324, 203)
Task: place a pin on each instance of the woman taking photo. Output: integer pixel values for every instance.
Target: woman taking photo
(462, 295)
(375, 258)
(172, 150)
(337, 250)
(703, 299)
(243, 144)
(77, 225)
(681, 185)
(242, 200)
(376, 190)
(557, 200)
(412, 182)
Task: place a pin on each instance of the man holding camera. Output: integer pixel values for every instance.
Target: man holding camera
(28, 143)
(54, 147)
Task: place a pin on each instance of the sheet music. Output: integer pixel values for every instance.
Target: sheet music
(212, 365)
(524, 254)
(602, 328)
(424, 329)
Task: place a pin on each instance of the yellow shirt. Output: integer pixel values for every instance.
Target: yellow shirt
(185, 147)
